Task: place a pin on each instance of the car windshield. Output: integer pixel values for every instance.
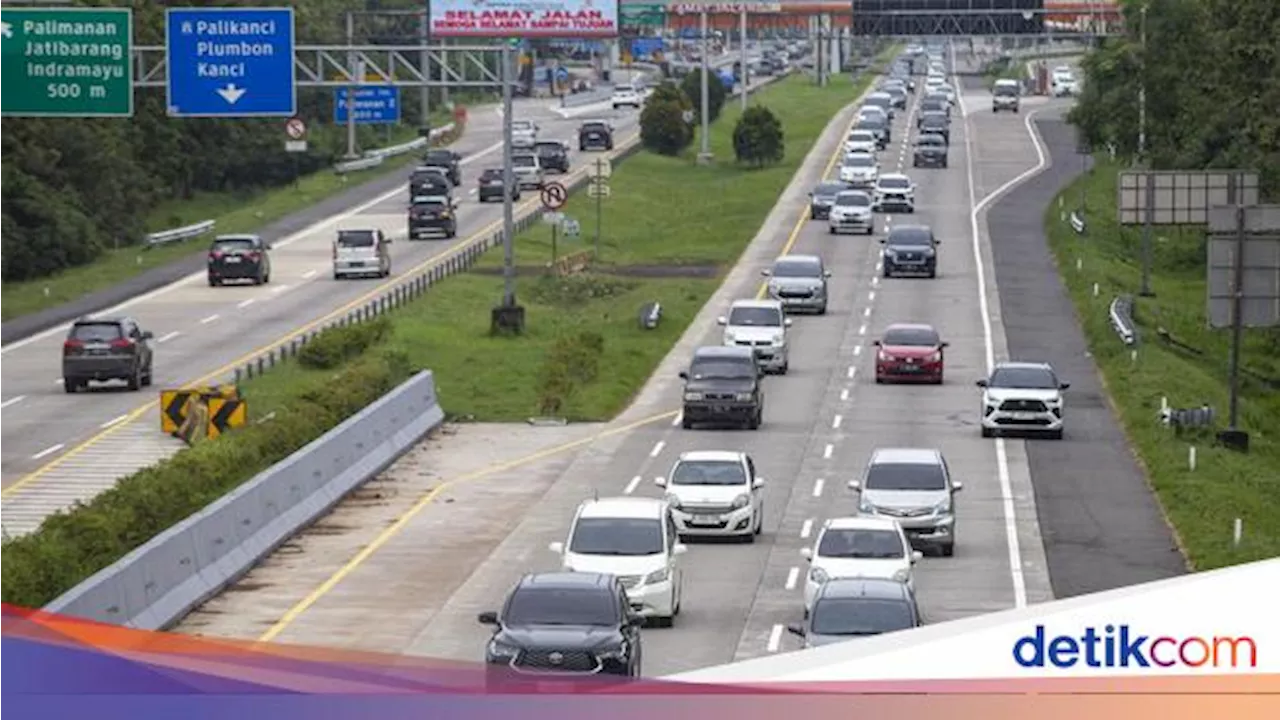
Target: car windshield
(859, 161)
(905, 476)
(524, 161)
(755, 316)
(491, 174)
(905, 236)
(707, 472)
(861, 543)
(930, 141)
(829, 190)
(96, 332)
(1006, 90)
(894, 183)
(933, 120)
(595, 127)
(232, 245)
(723, 369)
(859, 616)
(431, 203)
(561, 606)
(795, 268)
(546, 147)
(623, 89)
(910, 336)
(862, 136)
(1023, 379)
(521, 125)
(870, 123)
(617, 536)
(853, 200)
(438, 157)
(355, 238)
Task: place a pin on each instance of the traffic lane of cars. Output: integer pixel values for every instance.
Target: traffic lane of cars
(199, 329)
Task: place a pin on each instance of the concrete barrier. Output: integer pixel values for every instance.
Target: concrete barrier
(157, 584)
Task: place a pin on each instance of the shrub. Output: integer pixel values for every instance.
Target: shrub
(757, 138)
(670, 91)
(663, 129)
(336, 345)
(571, 362)
(716, 94)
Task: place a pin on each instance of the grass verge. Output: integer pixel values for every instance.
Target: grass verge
(1203, 503)
(234, 212)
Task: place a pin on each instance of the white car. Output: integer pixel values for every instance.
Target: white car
(949, 91)
(1023, 397)
(873, 111)
(528, 170)
(626, 96)
(861, 141)
(1063, 82)
(715, 493)
(762, 326)
(895, 192)
(524, 133)
(859, 170)
(635, 540)
(852, 211)
(858, 547)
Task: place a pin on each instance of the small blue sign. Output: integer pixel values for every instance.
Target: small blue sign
(378, 105)
(230, 62)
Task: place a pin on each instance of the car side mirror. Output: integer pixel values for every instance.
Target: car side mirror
(981, 383)
(957, 486)
(266, 246)
(875, 343)
(916, 556)
(826, 273)
(684, 375)
(806, 553)
(787, 322)
(855, 485)
(757, 483)
(556, 547)
(488, 617)
(147, 335)
(660, 482)
(883, 240)
(795, 630)
(636, 621)
(944, 344)
(766, 273)
(1064, 386)
(722, 320)
(679, 549)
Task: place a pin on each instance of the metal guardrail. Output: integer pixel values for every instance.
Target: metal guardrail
(183, 233)
(1121, 313)
(373, 158)
(414, 144)
(363, 163)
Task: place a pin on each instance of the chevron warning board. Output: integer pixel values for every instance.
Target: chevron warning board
(226, 414)
(173, 403)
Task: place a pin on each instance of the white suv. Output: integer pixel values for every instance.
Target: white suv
(861, 141)
(1022, 397)
(1063, 82)
(715, 493)
(634, 539)
(762, 326)
(859, 170)
(626, 95)
(858, 547)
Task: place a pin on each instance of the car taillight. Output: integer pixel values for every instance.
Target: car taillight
(255, 256)
(216, 255)
(72, 346)
(122, 343)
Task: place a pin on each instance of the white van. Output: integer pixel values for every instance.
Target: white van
(1004, 95)
(626, 95)
(359, 253)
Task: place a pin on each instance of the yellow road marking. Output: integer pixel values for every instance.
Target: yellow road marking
(376, 291)
(394, 529)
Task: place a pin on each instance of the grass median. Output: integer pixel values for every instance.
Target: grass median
(234, 213)
(1202, 503)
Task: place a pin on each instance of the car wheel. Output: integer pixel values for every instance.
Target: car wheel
(336, 276)
(879, 380)
(258, 279)
(933, 274)
(70, 385)
(1055, 434)
(756, 420)
(146, 377)
(686, 423)
(785, 367)
(759, 520)
(887, 273)
(213, 281)
(135, 380)
(822, 310)
(988, 432)
(870, 231)
(266, 279)
(831, 230)
(948, 550)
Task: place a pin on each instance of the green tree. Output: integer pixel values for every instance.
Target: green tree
(757, 138)
(692, 87)
(663, 129)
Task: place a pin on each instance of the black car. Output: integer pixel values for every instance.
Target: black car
(491, 186)
(562, 625)
(432, 214)
(552, 155)
(723, 384)
(930, 151)
(239, 257)
(429, 182)
(910, 250)
(935, 123)
(595, 135)
(106, 349)
(447, 159)
(933, 103)
(823, 197)
(877, 126)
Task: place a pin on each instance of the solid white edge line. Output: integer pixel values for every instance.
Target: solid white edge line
(793, 576)
(657, 449)
(775, 638)
(1002, 459)
(631, 486)
(309, 274)
(113, 421)
(12, 401)
(168, 336)
(207, 320)
(246, 303)
(47, 451)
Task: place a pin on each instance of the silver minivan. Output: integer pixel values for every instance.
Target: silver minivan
(913, 486)
(361, 253)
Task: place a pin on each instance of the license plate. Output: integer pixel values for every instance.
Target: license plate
(96, 348)
(705, 520)
(1023, 416)
(357, 264)
(233, 259)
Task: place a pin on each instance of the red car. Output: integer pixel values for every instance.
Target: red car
(910, 353)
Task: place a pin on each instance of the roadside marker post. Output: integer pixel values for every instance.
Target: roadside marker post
(554, 196)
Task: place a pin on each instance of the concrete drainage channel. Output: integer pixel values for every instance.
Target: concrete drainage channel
(159, 583)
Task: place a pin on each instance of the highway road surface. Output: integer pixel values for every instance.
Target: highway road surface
(202, 332)
(408, 572)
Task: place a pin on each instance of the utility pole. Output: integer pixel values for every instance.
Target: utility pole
(507, 318)
(1149, 212)
(358, 72)
(746, 78)
(704, 155)
(424, 62)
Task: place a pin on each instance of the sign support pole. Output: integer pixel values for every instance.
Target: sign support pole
(508, 181)
(555, 255)
(600, 196)
(704, 155)
(1237, 309)
(424, 61)
(746, 78)
(358, 69)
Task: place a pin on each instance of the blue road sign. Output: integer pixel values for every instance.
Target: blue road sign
(374, 105)
(230, 62)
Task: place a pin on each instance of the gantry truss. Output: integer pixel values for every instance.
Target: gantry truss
(342, 65)
(969, 23)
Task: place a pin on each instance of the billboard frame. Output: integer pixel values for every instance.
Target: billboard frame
(441, 16)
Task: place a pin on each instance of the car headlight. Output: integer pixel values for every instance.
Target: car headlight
(744, 397)
(866, 508)
(729, 338)
(936, 357)
(657, 576)
(614, 653)
(943, 508)
(741, 501)
(773, 287)
(502, 650)
(779, 340)
(885, 357)
(902, 575)
(818, 575)
(1053, 402)
(673, 500)
(692, 396)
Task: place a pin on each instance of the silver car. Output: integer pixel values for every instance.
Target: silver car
(799, 282)
(528, 171)
(852, 212)
(851, 608)
(914, 487)
(524, 133)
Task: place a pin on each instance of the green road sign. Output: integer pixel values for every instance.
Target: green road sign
(644, 15)
(66, 62)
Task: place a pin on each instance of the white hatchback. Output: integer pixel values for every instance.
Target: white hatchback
(854, 547)
(715, 493)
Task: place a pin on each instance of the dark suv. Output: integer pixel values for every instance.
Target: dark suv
(910, 250)
(429, 182)
(723, 384)
(449, 160)
(595, 135)
(239, 257)
(552, 155)
(562, 625)
(432, 214)
(930, 151)
(491, 186)
(106, 349)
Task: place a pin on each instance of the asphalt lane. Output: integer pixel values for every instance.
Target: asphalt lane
(1102, 526)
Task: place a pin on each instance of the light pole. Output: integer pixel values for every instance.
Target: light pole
(704, 154)
(746, 78)
(1145, 289)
